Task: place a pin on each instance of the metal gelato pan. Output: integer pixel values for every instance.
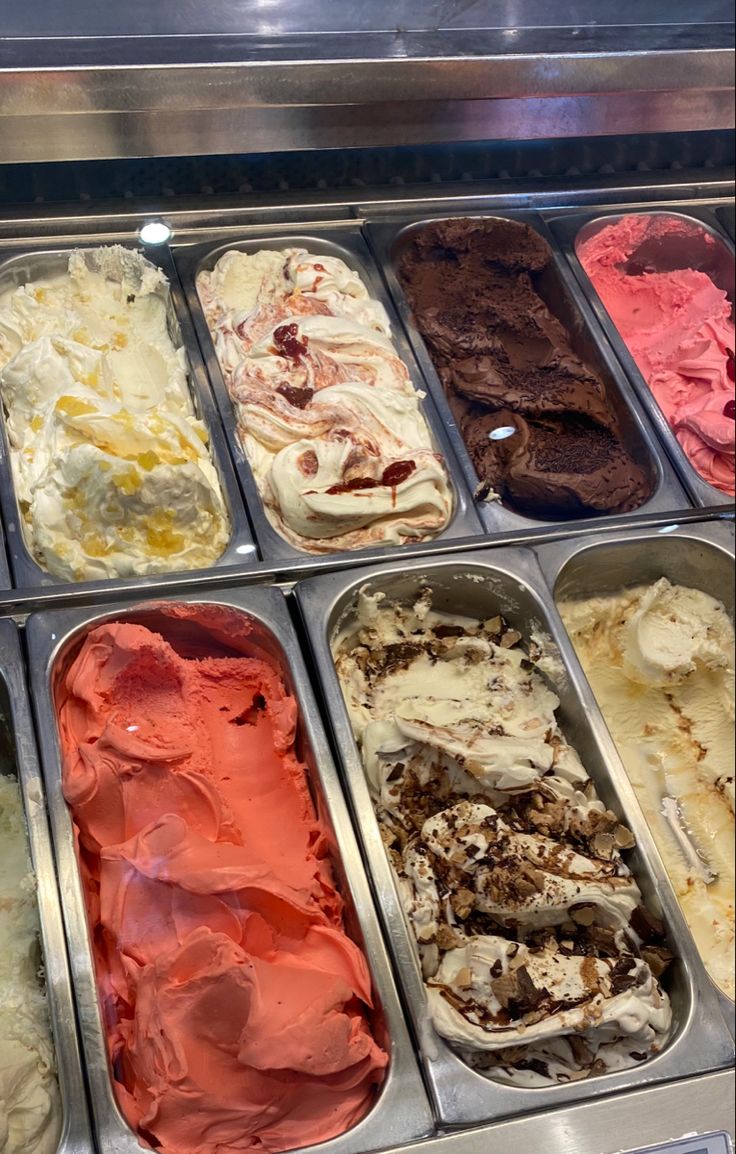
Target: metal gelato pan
(483, 584)
(349, 246)
(699, 556)
(563, 297)
(401, 1111)
(18, 756)
(700, 247)
(18, 268)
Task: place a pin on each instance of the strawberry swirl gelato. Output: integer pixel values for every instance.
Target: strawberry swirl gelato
(327, 414)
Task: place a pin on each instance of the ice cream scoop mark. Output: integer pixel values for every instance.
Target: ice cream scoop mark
(249, 716)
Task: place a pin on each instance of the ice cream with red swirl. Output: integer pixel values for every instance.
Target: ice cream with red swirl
(540, 963)
(237, 1010)
(326, 411)
(679, 327)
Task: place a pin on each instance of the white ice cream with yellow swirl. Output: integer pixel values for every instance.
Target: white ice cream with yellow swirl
(111, 465)
(327, 414)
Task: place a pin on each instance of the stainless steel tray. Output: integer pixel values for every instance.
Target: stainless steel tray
(699, 556)
(18, 267)
(720, 258)
(76, 1135)
(348, 244)
(484, 583)
(388, 241)
(401, 1111)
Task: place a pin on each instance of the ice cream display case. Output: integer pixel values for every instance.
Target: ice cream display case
(366, 577)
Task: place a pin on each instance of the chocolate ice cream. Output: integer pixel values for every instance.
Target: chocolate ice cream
(536, 419)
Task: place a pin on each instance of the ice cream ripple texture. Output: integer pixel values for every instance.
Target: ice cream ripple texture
(679, 328)
(540, 963)
(660, 659)
(326, 411)
(111, 466)
(537, 422)
(30, 1108)
(236, 1007)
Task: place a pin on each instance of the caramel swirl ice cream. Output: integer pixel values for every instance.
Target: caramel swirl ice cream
(660, 660)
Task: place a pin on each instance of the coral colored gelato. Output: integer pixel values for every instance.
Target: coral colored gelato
(236, 1008)
(679, 328)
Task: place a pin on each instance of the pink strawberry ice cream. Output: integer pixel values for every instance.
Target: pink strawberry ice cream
(679, 328)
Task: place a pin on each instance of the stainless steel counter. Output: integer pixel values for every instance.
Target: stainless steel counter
(84, 80)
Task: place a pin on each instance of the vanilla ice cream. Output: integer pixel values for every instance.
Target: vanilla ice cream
(30, 1108)
(111, 466)
(660, 659)
(326, 411)
(540, 963)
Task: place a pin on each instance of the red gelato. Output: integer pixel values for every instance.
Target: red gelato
(678, 326)
(236, 1008)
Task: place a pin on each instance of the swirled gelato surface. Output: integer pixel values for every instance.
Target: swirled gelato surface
(30, 1107)
(326, 411)
(660, 659)
(679, 327)
(540, 963)
(111, 466)
(237, 1009)
(536, 419)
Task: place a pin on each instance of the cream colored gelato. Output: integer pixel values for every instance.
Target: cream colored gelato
(539, 962)
(30, 1109)
(326, 411)
(660, 660)
(111, 466)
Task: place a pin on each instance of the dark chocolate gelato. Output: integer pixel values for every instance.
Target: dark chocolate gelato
(535, 418)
